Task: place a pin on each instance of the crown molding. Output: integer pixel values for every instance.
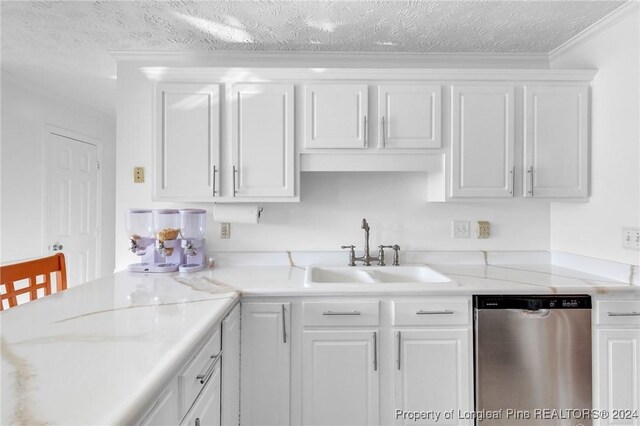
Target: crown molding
(223, 74)
(599, 26)
(294, 59)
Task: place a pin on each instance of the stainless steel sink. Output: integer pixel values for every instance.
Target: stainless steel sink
(406, 274)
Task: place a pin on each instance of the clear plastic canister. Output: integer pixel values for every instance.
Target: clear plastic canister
(166, 224)
(139, 223)
(193, 223)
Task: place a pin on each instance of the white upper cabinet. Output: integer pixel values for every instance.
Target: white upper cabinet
(187, 141)
(556, 141)
(262, 140)
(482, 141)
(409, 116)
(336, 116)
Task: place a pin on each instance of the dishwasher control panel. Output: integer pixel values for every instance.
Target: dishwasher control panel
(532, 302)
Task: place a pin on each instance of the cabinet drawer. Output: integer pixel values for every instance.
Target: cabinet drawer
(432, 312)
(618, 312)
(198, 371)
(341, 313)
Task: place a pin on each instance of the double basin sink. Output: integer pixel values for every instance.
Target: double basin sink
(371, 275)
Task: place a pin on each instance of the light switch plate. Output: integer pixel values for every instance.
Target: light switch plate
(225, 231)
(483, 229)
(459, 229)
(631, 238)
(138, 174)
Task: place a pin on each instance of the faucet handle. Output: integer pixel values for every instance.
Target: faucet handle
(352, 254)
(396, 255)
(381, 254)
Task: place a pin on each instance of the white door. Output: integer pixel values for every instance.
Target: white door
(482, 141)
(556, 141)
(231, 368)
(340, 378)
(72, 206)
(409, 115)
(433, 374)
(617, 386)
(187, 141)
(265, 364)
(263, 140)
(336, 116)
(206, 410)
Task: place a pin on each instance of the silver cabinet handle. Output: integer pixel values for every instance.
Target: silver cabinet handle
(235, 171)
(444, 312)
(341, 313)
(512, 172)
(623, 314)
(530, 173)
(215, 170)
(198, 421)
(383, 139)
(399, 348)
(284, 326)
(366, 132)
(375, 351)
(204, 377)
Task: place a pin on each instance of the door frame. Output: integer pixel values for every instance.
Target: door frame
(49, 130)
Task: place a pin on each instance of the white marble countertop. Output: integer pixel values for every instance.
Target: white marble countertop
(97, 353)
(108, 346)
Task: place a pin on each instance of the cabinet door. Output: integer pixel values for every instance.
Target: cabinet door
(555, 139)
(433, 374)
(265, 364)
(340, 379)
(206, 410)
(263, 144)
(336, 116)
(231, 368)
(482, 141)
(617, 375)
(187, 141)
(409, 116)
(164, 411)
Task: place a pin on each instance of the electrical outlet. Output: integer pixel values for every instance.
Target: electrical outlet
(483, 229)
(138, 174)
(631, 238)
(459, 229)
(225, 231)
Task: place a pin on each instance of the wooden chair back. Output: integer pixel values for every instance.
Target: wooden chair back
(31, 270)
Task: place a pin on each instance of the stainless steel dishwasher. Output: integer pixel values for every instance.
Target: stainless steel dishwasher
(532, 360)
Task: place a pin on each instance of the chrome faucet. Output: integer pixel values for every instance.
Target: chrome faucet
(366, 257)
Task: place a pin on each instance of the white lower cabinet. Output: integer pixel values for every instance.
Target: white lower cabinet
(231, 368)
(265, 364)
(164, 411)
(206, 410)
(617, 362)
(340, 377)
(433, 375)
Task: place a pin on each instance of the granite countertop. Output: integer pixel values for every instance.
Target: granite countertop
(108, 346)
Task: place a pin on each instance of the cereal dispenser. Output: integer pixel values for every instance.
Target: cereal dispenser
(139, 225)
(192, 229)
(166, 226)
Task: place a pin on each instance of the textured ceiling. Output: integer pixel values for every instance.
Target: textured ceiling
(68, 41)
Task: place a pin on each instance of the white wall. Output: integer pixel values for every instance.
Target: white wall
(26, 109)
(332, 204)
(594, 229)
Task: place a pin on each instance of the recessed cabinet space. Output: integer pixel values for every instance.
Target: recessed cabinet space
(336, 116)
(187, 141)
(265, 364)
(482, 141)
(262, 140)
(556, 141)
(409, 116)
